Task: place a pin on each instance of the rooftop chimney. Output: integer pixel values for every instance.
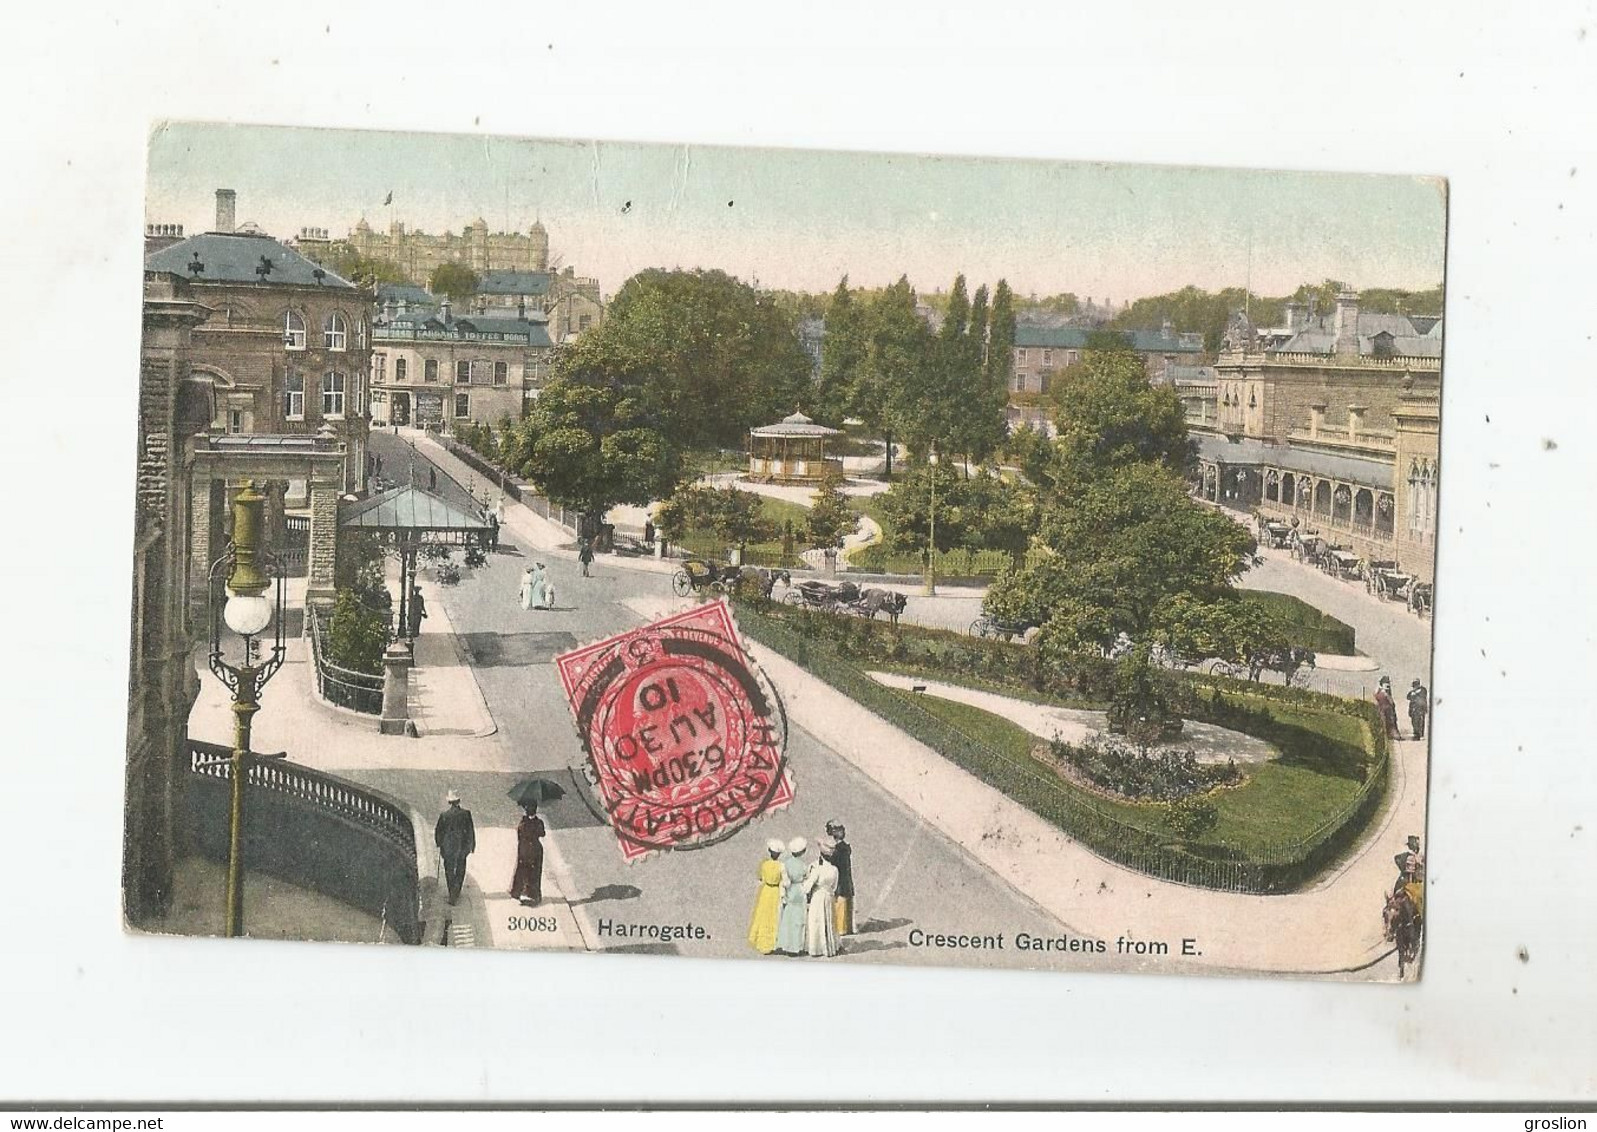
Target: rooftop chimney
(1347, 323)
(226, 202)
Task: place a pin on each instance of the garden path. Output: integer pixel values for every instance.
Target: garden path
(1211, 744)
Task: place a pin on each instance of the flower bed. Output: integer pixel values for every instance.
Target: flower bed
(1272, 833)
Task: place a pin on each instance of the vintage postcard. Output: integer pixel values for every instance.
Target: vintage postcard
(801, 557)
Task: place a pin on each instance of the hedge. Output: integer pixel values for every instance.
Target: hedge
(1307, 627)
(818, 642)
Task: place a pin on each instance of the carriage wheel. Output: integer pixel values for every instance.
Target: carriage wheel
(1225, 668)
(980, 627)
(1301, 676)
(794, 596)
(682, 583)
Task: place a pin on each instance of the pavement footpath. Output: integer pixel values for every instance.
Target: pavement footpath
(456, 744)
(1333, 927)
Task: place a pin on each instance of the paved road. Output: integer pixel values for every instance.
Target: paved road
(908, 875)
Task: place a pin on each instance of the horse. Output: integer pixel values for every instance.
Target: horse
(1403, 925)
(873, 601)
(1287, 660)
(762, 579)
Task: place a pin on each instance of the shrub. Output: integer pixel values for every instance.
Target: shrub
(1144, 775)
(1192, 817)
(356, 634)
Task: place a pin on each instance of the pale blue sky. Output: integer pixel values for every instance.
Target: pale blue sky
(800, 219)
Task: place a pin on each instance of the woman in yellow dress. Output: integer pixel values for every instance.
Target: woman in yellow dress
(768, 904)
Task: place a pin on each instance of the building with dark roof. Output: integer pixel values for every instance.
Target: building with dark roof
(285, 349)
(1332, 420)
(430, 368)
(1041, 351)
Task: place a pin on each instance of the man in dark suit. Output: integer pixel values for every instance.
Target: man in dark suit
(838, 851)
(456, 837)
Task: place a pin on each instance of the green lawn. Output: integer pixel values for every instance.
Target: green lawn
(1317, 776)
(708, 544)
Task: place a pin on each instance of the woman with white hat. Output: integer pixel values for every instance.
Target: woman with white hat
(768, 904)
(790, 924)
(820, 927)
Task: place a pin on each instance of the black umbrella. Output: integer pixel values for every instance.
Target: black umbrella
(536, 790)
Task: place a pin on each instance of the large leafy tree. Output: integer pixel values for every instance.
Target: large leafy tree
(736, 517)
(363, 271)
(718, 356)
(597, 435)
(454, 280)
(979, 512)
(892, 372)
(1127, 541)
(1109, 416)
(839, 394)
(830, 518)
(997, 367)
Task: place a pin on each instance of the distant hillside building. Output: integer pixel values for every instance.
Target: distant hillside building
(418, 253)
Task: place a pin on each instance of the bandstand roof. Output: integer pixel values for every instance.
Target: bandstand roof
(796, 425)
(407, 510)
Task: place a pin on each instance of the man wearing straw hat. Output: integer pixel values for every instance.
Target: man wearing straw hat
(456, 838)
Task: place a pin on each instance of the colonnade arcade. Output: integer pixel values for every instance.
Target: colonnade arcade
(1358, 509)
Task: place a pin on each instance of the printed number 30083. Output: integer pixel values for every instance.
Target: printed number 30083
(532, 924)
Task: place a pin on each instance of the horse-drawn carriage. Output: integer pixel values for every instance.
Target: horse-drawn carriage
(1312, 550)
(1275, 535)
(697, 574)
(1421, 596)
(1166, 657)
(995, 629)
(1293, 662)
(1341, 562)
(1383, 579)
(847, 597)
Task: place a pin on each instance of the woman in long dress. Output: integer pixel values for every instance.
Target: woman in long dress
(820, 930)
(525, 595)
(527, 883)
(790, 923)
(540, 586)
(768, 904)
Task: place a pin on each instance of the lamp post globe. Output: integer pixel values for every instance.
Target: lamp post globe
(247, 614)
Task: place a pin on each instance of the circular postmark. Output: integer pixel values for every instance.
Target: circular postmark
(688, 738)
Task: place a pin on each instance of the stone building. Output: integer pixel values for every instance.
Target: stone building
(418, 253)
(431, 369)
(570, 303)
(1042, 351)
(286, 347)
(162, 684)
(1335, 423)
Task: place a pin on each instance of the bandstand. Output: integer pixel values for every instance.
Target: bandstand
(792, 451)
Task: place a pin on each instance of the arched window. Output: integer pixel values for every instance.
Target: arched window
(333, 332)
(293, 331)
(332, 394)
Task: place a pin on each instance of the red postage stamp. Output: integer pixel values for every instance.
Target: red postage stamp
(686, 736)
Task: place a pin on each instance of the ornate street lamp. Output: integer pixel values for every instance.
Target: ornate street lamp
(248, 612)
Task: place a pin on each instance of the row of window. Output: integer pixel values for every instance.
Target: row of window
(462, 401)
(1023, 356)
(478, 372)
(335, 332)
(333, 387)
